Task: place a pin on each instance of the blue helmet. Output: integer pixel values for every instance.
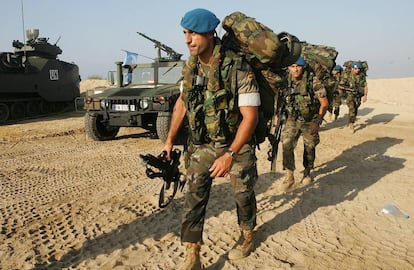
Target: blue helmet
(300, 62)
(337, 67)
(200, 21)
(356, 64)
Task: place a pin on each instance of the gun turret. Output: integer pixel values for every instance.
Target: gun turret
(172, 55)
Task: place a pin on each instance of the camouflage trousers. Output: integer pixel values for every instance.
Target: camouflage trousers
(242, 176)
(353, 102)
(335, 101)
(290, 136)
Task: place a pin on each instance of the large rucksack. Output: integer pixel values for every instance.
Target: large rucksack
(269, 54)
(320, 58)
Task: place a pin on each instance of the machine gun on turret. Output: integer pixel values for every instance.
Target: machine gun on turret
(172, 55)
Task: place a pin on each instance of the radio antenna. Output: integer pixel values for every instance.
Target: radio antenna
(24, 35)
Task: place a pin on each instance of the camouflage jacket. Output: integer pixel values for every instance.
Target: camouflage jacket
(302, 97)
(356, 82)
(211, 102)
(331, 84)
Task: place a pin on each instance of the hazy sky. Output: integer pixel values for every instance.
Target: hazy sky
(93, 33)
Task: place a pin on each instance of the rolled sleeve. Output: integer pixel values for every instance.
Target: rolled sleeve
(248, 91)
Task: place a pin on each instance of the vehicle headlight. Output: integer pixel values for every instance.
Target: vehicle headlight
(103, 103)
(143, 103)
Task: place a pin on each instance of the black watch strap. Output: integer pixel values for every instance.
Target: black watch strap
(232, 153)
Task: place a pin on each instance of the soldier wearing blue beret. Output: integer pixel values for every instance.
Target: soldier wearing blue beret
(222, 118)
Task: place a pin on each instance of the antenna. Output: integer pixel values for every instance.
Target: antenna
(24, 35)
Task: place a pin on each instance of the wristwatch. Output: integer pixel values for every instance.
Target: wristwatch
(318, 121)
(232, 153)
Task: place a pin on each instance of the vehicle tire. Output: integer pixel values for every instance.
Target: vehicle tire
(17, 110)
(4, 112)
(163, 125)
(33, 108)
(97, 130)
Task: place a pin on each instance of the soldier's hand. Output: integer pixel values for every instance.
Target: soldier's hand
(314, 128)
(221, 166)
(364, 99)
(167, 149)
(275, 119)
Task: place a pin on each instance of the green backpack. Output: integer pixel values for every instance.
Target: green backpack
(269, 54)
(266, 52)
(320, 58)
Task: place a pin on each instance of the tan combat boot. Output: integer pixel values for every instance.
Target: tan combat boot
(288, 181)
(192, 257)
(307, 178)
(244, 247)
(351, 127)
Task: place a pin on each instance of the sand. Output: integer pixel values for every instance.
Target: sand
(67, 202)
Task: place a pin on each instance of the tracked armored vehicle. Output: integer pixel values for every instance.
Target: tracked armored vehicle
(34, 82)
(147, 102)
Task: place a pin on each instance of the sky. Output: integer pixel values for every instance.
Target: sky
(94, 33)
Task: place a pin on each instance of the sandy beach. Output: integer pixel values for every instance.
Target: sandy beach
(67, 202)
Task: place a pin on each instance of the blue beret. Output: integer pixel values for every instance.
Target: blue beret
(356, 64)
(300, 62)
(200, 21)
(337, 67)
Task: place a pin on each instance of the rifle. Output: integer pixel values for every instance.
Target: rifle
(274, 138)
(354, 92)
(167, 170)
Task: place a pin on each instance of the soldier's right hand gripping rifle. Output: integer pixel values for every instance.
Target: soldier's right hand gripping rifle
(274, 136)
(167, 170)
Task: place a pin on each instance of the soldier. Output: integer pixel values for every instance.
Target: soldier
(306, 104)
(355, 85)
(333, 93)
(222, 118)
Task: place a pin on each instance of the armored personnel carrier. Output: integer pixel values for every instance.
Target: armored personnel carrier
(34, 81)
(147, 102)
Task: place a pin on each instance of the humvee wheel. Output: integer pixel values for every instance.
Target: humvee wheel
(97, 129)
(163, 125)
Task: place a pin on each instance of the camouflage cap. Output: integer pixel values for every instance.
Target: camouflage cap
(200, 21)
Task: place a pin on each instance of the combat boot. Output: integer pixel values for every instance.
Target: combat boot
(192, 257)
(244, 246)
(351, 127)
(288, 181)
(307, 178)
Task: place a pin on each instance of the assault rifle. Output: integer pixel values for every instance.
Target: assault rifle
(354, 92)
(274, 137)
(167, 170)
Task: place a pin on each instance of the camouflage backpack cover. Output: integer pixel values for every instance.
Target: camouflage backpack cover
(320, 58)
(269, 54)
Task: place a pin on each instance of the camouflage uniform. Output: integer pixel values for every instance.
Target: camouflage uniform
(214, 116)
(334, 95)
(353, 98)
(302, 104)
